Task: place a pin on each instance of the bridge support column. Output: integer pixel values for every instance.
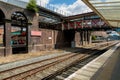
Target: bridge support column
(89, 37)
(86, 37)
(77, 39)
(81, 38)
(7, 36)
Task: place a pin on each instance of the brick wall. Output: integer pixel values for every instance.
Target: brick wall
(1, 51)
(48, 40)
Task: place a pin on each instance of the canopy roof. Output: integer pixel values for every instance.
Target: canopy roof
(108, 10)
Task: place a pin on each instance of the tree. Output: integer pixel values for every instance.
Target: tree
(32, 6)
(93, 37)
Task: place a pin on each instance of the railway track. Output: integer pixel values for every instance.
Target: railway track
(45, 69)
(59, 66)
(61, 75)
(70, 69)
(25, 71)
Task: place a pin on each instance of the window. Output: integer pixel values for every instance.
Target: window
(18, 30)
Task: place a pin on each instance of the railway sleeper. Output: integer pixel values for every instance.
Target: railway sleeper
(79, 65)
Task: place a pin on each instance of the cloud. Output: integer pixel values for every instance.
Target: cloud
(77, 7)
(43, 2)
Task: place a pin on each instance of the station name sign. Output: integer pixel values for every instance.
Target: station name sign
(36, 33)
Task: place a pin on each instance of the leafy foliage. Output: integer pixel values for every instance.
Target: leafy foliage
(93, 37)
(32, 6)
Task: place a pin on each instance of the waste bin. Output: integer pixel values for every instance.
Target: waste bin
(73, 44)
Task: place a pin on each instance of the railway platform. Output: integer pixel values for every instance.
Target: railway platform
(104, 67)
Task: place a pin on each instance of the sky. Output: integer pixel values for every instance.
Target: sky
(67, 7)
(68, 2)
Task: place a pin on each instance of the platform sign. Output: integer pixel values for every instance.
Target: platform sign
(36, 33)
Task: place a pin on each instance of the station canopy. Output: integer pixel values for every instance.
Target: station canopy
(108, 10)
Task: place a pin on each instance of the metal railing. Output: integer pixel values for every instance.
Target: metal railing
(16, 2)
(53, 8)
(23, 4)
